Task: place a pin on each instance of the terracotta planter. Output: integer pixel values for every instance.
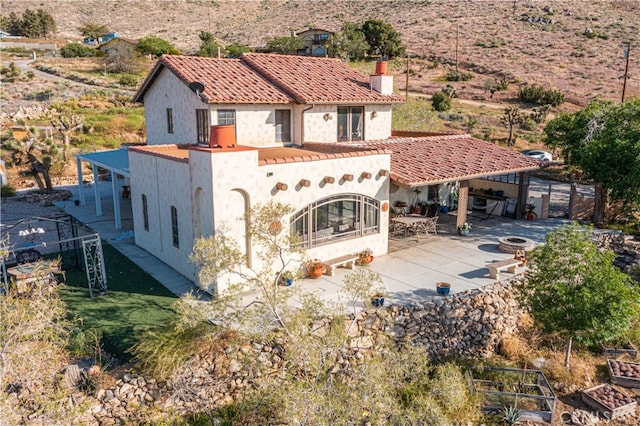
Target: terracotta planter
(316, 272)
(365, 260)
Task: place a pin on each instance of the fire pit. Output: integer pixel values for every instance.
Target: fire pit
(511, 244)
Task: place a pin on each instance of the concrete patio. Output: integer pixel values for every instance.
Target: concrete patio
(410, 270)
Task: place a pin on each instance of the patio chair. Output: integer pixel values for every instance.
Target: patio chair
(428, 225)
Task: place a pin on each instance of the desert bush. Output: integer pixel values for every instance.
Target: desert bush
(76, 50)
(440, 101)
(536, 94)
(33, 336)
(128, 80)
(454, 75)
(7, 191)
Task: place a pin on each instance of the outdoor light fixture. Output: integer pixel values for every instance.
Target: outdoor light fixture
(374, 114)
(327, 117)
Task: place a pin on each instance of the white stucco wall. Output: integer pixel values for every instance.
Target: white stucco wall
(215, 190)
(317, 129)
(255, 124)
(165, 183)
(169, 92)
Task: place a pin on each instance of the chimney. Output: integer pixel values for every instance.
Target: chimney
(380, 81)
(222, 136)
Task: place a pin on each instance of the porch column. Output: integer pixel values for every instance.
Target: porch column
(80, 185)
(116, 199)
(96, 189)
(463, 203)
(523, 193)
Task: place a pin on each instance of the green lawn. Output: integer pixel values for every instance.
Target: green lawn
(134, 303)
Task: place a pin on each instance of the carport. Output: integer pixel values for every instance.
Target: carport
(117, 163)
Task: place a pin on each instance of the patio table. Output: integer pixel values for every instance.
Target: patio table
(413, 222)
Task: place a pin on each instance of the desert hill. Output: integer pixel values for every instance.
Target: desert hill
(572, 45)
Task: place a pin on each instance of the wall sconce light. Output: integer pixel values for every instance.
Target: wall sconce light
(281, 186)
(305, 182)
(347, 178)
(327, 117)
(329, 179)
(383, 172)
(366, 175)
(374, 114)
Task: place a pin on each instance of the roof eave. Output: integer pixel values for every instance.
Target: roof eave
(405, 183)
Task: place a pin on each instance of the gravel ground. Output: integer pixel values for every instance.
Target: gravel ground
(27, 212)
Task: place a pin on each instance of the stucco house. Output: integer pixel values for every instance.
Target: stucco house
(316, 41)
(226, 134)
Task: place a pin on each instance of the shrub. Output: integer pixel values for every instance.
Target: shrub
(440, 101)
(454, 75)
(536, 94)
(7, 191)
(76, 50)
(128, 80)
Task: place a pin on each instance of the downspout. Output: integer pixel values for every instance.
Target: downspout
(302, 124)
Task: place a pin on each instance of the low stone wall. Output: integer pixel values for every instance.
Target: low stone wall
(468, 324)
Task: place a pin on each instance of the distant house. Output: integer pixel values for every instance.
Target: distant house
(120, 45)
(316, 41)
(109, 36)
(102, 39)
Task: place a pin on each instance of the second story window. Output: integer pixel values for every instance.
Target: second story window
(202, 125)
(226, 117)
(350, 124)
(283, 125)
(169, 120)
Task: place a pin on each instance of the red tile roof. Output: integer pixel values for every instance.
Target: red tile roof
(317, 80)
(225, 80)
(268, 78)
(418, 161)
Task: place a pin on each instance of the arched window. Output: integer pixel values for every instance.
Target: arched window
(335, 218)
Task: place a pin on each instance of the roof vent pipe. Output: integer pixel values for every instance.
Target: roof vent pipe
(381, 68)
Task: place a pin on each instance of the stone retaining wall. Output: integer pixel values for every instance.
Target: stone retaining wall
(468, 324)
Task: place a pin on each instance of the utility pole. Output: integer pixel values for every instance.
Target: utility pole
(457, 32)
(406, 81)
(627, 53)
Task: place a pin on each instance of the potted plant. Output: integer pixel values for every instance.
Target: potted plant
(286, 278)
(377, 298)
(464, 229)
(530, 211)
(365, 257)
(315, 268)
(443, 288)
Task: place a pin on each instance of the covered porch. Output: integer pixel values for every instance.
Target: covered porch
(110, 177)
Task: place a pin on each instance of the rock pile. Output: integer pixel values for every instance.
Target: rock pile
(468, 324)
(626, 248)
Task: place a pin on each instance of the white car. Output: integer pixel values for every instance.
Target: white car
(544, 156)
